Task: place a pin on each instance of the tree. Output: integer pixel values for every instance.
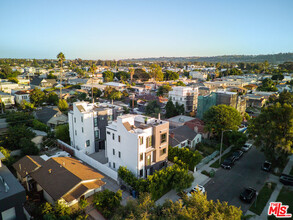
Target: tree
(108, 76)
(61, 59)
(267, 85)
(53, 98)
(222, 117)
(62, 133)
(237, 139)
(97, 92)
(37, 97)
(278, 77)
(61, 209)
(141, 74)
(26, 106)
(170, 109)
(51, 76)
(170, 75)
(16, 118)
(15, 134)
(153, 107)
(180, 83)
(156, 72)
(131, 72)
(82, 204)
(163, 90)
(62, 105)
(40, 126)
(121, 75)
(28, 147)
(272, 131)
(107, 202)
(93, 70)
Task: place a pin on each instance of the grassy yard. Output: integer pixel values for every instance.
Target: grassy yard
(286, 197)
(206, 149)
(262, 198)
(216, 163)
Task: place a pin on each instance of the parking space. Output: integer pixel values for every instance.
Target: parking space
(228, 184)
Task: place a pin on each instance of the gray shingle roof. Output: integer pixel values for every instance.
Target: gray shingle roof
(46, 114)
(181, 134)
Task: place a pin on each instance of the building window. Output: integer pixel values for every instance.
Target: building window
(109, 164)
(102, 118)
(149, 141)
(141, 173)
(97, 134)
(119, 154)
(148, 162)
(82, 129)
(108, 132)
(113, 136)
(188, 142)
(114, 165)
(119, 138)
(75, 132)
(81, 119)
(74, 119)
(96, 122)
(109, 117)
(183, 144)
(140, 140)
(88, 143)
(163, 151)
(163, 138)
(113, 151)
(141, 157)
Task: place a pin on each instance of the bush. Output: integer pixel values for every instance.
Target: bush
(204, 172)
(40, 126)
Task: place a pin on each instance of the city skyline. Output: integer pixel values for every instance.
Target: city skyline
(139, 29)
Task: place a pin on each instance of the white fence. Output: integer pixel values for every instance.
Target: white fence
(92, 162)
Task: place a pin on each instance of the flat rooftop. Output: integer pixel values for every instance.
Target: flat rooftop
(9, 185)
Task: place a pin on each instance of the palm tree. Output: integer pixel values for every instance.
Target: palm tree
(93, 70)
(131, 71)
(61, 59)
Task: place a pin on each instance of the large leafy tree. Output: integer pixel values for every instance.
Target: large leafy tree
(222, 117)
(272, 131)
(62, 133)
(170, 75)
(267, 85)
(53, 98)
(108, 76)
(62, 105)
(156, 72)
(163, 90)
(37, 97)
(153, 107)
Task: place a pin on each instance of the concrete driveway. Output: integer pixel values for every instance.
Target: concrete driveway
(228, 184)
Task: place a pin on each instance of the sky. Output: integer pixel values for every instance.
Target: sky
(120, 29)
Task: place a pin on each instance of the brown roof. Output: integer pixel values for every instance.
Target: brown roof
(81, 189)
(59, 175)
(80, 108)
(28, 164)
(127, 126)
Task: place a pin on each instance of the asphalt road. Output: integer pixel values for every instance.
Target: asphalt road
(228, 184)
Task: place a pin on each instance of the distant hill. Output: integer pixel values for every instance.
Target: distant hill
(271, 58)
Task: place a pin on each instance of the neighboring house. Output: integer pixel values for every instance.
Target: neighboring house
(22, 95)
(7, 99)
(6, 86)
(138, 142)
(88, 87)
(198, 75)
(51, 116)
(58, 178)
(87, 125)
(12, 195)
(42, 84)
(186, 96)
(115, 85)
(184, 136)
(197, 125)
(178, 120)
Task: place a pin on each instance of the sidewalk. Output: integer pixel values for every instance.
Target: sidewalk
(275, 194)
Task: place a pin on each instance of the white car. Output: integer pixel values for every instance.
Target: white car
(246, 147)
(62, 154)
(196, 189)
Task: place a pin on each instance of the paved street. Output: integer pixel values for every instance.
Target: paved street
(228, 184)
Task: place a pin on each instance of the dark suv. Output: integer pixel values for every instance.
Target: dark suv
(228, 162)
(248, 194)
(286, 179)
(266, 166)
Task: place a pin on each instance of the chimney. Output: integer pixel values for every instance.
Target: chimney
(172, 135)
(159, 116)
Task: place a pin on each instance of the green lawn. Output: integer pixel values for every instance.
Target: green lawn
(262, 198)
(216, 163)
(286, 197)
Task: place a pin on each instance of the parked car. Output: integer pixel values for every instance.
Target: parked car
(246, 147)
(249, 111)
(266, 166)
(196, 189)
(237, 154)
(286, 179)
(228, 162)
(248, 194)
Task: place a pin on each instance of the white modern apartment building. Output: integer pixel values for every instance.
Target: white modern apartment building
(87, 125)
(137, 142)
(186, 96)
